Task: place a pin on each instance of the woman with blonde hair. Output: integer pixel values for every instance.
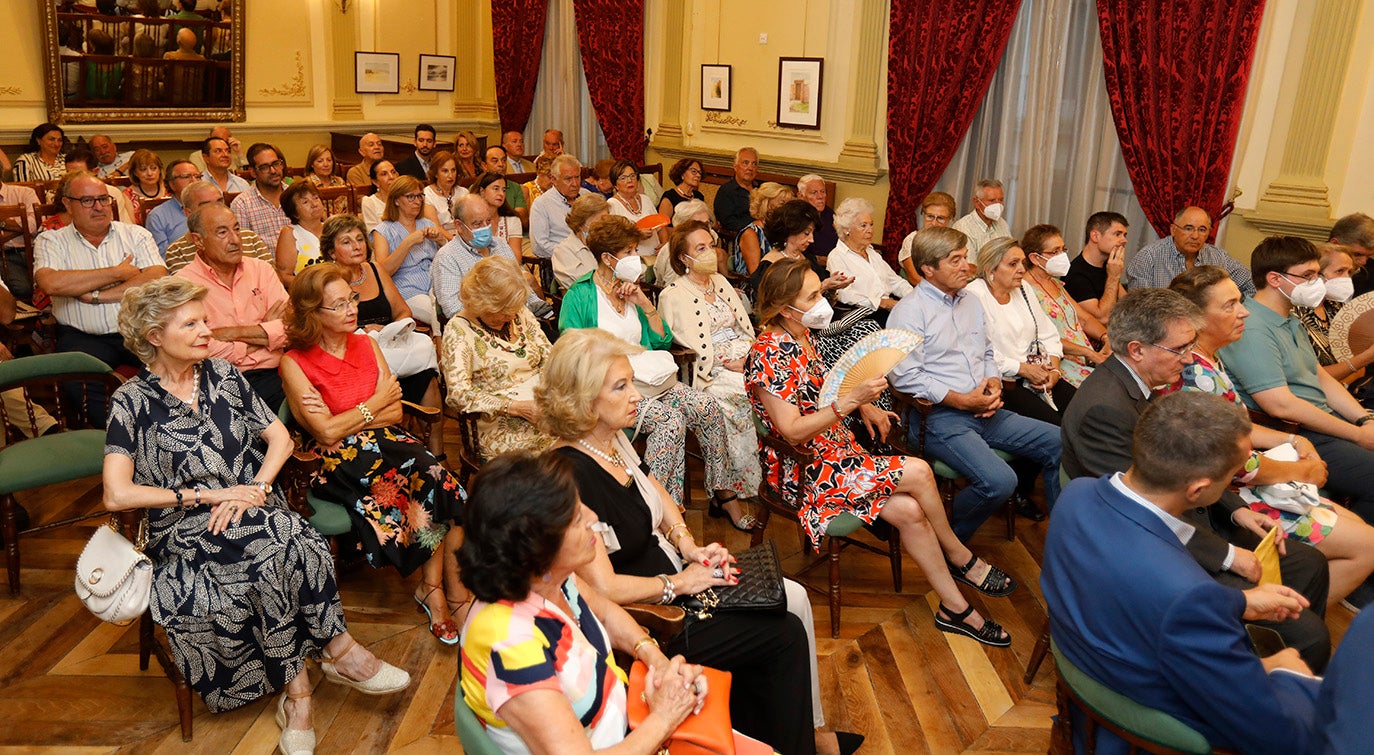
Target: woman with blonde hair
(751, 243)
(401, 499)
(494, 351)
(191, 444)
(571, 258)
(319, 170)
(145, 182)
(405, 243)
(465, 152)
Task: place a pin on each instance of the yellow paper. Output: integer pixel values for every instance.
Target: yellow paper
(1268, 554)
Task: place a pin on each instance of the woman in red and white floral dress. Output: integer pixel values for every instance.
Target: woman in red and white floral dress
(784, 375)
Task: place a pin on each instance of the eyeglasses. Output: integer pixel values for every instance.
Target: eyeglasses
(271, 165)
(1184, 353)
(185, 176)
(1304, 278)
(89, 202)
(627, 177)
(1189, 230)
(344, 305)
(929, 218)
(413, 197)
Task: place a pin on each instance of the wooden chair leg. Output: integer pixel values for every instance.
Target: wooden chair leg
(894, 555)
(1042, 646)
(756, 534)
(145, 639)
(1011, 518)
(9, 524)
(835, 546)
(183, 691)
(1061, 735)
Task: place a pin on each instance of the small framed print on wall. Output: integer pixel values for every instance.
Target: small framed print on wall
(436, 72)
(377, 72)
(799, 92)
(715, 87)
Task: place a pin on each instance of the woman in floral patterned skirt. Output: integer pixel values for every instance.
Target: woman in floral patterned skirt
(401, 499)
(784, 376)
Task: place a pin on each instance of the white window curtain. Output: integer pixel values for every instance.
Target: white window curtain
(561, 100)
(1045, 129)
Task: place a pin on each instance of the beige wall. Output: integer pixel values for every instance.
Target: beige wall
(1303, 155)
(299, 73)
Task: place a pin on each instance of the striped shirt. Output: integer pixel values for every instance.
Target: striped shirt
(183, 250)
(412, 277)
(66, 249)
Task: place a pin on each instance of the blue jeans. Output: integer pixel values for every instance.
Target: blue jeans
(966, 444)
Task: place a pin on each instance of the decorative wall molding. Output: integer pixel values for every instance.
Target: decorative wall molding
(11, 91)
(295, 87)
(1315, 229)
(842, 171)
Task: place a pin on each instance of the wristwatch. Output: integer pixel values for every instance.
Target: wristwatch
(1366, 419)
(265, 487)
(95, 296)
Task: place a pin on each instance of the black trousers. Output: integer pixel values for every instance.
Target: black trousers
(107, 348)
(770, 686)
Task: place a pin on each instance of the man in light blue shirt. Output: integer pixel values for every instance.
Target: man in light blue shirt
(954, 369)
(549, 213)
(472, 242)
(167, 221)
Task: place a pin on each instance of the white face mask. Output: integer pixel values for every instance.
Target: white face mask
(993, 211)
(1308, 293)
(629, 268)
(1058, 265)
(1340, 289)
(818, 317)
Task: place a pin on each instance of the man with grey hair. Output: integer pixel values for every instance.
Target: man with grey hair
(1183, 249)
(245, 303)
(553, 144)
(1152, 332)
(986, 222)
(180, 252)
(1355, 232)
(811, 189)
(236, 159)
(167, 221)
(549, 213)
(955, 369)
(110, 162)
(732, 199)
(472, 242)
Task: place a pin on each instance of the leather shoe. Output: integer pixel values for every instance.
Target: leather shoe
(1028, 510)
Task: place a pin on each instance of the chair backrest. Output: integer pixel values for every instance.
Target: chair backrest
(148, 205)
(470, 732)
(44, 374)
(23, 216)
(334, 196)
(1125, 717)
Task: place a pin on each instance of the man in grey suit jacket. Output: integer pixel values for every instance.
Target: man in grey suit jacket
(1152, 332)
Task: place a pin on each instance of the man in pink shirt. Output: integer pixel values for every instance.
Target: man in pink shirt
(245, 303)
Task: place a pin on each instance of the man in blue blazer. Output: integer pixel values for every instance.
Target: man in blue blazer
(1132, 609)
(1343, 708)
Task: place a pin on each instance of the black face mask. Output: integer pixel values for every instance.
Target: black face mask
(1364, 280)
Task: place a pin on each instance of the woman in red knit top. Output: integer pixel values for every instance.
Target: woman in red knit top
(402, 500)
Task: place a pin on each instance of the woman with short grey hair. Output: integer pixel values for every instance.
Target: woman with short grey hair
(875, 284)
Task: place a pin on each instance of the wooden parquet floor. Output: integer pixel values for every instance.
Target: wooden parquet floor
(70, 683)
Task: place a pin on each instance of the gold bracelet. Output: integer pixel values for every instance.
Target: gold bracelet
(368, 416)
(670, 539)
(646, 639)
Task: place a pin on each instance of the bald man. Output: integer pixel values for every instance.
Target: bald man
(370, 148)
(513, 142)
(1184, 248)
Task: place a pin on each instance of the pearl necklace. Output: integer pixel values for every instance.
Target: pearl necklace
(613, 458)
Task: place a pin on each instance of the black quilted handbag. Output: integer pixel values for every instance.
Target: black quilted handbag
(759, 588)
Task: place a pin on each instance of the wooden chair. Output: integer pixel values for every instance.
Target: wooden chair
(149, 205)
(332, 194)
(470, 451)
(43, 460)
(946, 477)
(150, 646)
(1144, 729)
(775, 498)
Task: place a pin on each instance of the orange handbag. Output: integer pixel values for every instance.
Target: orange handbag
(704, 733)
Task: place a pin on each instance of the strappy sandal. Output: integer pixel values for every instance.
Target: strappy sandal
(443, 631)
(465, 606)
(716, 510)
(293, 741)
(996, 583)
(990, 634)
(388, 678)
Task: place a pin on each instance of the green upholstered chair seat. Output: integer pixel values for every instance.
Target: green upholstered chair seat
(944, 470)
(843, 525)
(1147, 723)
(329, 519)
(51, 459)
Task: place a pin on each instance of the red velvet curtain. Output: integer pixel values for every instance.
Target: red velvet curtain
(611, 36)
(940, 61)
(517, 36)
(1176, 72)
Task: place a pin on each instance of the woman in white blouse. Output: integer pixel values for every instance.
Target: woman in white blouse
(875, 284)
(1025, 342)
(443, 190)
(629, 201)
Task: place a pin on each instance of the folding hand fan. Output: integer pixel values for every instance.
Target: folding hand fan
(873, 356)
(652, 222)
(1352, 329)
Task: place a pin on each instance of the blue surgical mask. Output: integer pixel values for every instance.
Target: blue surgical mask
(481, 237)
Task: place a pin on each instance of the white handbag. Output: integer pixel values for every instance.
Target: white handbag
(113, 577)
(406, 351)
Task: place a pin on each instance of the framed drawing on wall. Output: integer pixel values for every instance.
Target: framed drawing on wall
(436, 72)
(799, 92)
(377, 72)
(715, 87)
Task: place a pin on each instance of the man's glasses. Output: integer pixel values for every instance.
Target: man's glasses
(1192, 229)
(271, 165)
(89, 202)
(1184, 353)
(342, 306)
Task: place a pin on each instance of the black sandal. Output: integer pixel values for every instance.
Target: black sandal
(990, 634)
(996, 583)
